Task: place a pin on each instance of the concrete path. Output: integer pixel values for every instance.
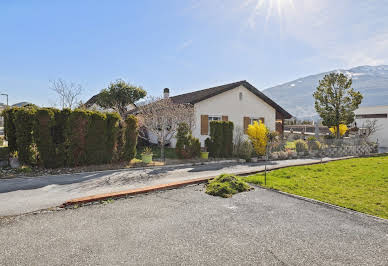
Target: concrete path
(21, 195)
(188, 227)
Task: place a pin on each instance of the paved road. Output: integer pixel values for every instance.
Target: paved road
(21, 195)
(187, 226)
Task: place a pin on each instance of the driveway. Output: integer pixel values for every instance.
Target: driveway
(21, 195)
(187, 226)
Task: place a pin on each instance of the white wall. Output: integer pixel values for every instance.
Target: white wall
(229, 104)
(382, 134)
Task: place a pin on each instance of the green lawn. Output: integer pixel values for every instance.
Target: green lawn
(360, 184)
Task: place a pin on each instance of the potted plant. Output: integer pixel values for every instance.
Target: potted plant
(204, 154)
(146, 155)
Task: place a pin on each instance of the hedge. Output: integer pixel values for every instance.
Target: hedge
(9, 128)
(220, 143)
(131, 134)
(186, 146)
(24, 122)
(66, 137)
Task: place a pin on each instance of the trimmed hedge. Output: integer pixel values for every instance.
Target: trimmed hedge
(24, 122)
(220, 143)
(66, 137)
(131, 133)
(9, 128)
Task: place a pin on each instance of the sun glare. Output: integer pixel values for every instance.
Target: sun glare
(269, 8)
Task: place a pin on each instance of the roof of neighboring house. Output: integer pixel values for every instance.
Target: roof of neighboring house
(21, 104)
(198, 96)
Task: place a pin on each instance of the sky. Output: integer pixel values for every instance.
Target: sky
(183, 45)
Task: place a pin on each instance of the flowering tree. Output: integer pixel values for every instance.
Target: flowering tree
(342, 130)
(161, 117)
(258, 134)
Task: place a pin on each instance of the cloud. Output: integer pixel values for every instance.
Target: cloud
(185, 44)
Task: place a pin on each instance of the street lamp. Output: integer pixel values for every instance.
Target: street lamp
(4, 94)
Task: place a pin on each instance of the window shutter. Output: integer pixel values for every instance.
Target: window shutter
(204, 124)
(247, 120)
(262, 119)
(224, 118)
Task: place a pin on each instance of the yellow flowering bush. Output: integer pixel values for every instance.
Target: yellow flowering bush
(257, 134)
(342, 130)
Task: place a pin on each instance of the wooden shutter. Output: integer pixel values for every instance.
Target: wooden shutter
(247, 121)
(204, 125)
(262, 119)
(224, 118)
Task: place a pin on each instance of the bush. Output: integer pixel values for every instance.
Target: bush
(77, 132)
(43, 128)
(300, 145)
(226, 185)
(111, 134)
(258, 134)
(9, 128)
(220, 143)
(24, 122)
(187, 146)
(131, 133)
(283, 155)
(95, 138)
(245, 150)
(61, 136)
(4, 153)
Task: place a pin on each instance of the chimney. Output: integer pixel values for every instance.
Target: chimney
(166, 93)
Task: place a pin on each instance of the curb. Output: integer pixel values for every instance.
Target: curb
(173, 185)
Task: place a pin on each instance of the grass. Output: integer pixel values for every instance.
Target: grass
(359, 184)
(226, 186)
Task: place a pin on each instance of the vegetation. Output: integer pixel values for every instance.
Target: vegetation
(24, 121)
(187, 146)
(245, 150)
(300, 145)
(131, 133)
(119, 95)
(220, 143)
(258, 134)
(226, 186)
(335, 100)
(168, 152)
(359, 184)
(342, 130)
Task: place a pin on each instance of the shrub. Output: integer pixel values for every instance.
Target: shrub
(95, 138)
(220, 143)
(4, 153)
(131, 133)
(9, 128)
(77, 132)
(226, 185)
(300, 145)
(258, 134)
(283, 155)
(61, 136)
(245, 150)
(187, 146)
(24, 121)
(111, 134)
(43, 128)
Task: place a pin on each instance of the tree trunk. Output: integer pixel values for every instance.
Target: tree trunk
(338, 135)
(162, 147)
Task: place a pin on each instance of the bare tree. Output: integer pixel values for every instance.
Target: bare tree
(68, 92)
(161, 117)
(371, 127)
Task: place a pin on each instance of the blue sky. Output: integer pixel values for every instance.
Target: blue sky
(183, 45)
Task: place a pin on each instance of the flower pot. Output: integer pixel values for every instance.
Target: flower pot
(204, 155)
(146, 158)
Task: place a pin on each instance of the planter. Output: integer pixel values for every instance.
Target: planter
(204, 155)
(254, 160)
(146, 158)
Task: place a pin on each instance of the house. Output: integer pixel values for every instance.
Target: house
(371, 113)
(239, 102)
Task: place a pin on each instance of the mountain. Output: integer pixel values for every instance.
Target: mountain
(297, 96)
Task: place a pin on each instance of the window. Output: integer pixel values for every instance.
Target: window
(371, 116)
(257, 120)
(214, 118)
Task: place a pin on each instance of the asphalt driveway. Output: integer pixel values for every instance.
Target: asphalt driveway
(187, 226)
(21, 195)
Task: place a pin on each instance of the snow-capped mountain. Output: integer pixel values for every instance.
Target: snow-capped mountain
(297, 96)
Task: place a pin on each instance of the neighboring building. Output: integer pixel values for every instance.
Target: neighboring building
(239, 102)
(21, 104)
(378, 113)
